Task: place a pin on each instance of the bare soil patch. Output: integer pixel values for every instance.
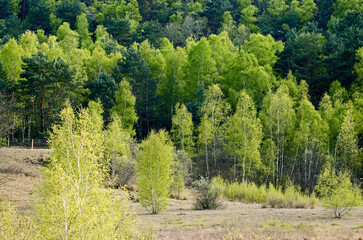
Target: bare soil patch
(20, 175)
(249, 221)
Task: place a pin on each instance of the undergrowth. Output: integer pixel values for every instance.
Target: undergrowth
(249, 192)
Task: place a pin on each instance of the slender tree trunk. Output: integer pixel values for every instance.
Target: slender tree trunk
(206, 156)
(29, 130)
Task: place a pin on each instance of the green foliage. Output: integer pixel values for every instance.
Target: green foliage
(347, 152)
(304, 9)
(16, 226)
(116, 143)
(182, 173)
(337, 191)
(264, 48)
(125, 107)
(277, 7)
(341, 7)
(85, 39)
(11, 57)
(72, 202)
(104, 89)
(248, 12)
(200, 66)
(172, 83)
(290, 198)
(135, 69)
(214, 112)
(178, 185)
(244, 137)
(273, 197)
(247, 192)
(182, 130)
(278, 117)
(154, 169)
(46, 81)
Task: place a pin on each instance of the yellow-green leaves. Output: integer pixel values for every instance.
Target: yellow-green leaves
(154, 169)
(244, 136)
(337, 191)
(11, 57)
(182, 130)
(16, 226)
(116, 143)
(72, 201)
(125, 107)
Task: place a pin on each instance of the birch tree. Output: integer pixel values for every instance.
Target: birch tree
(244, 136)
(214, 112)
(125, 107)
(154, 170)
(72, 202)
(116, 143)
(311, 143)
(278, 116)
(347, 153)
(182, 129)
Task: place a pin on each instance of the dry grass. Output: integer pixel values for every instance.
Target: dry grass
(248, 221)
(19, 175)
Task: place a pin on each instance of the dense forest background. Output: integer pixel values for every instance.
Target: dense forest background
(273, 88)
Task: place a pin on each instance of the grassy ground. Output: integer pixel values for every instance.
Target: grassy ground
(20, 174)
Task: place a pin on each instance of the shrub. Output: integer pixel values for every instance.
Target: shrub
(253, 193)
(12, 169)
(178, 185)
(246, 192)
(2, 142)
(337, 191)
(14, 225)
(234, 191)
(275, 198)
(208, 196)
(271, 197)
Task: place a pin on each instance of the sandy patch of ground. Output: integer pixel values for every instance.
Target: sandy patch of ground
(249, 221)
(20, 175)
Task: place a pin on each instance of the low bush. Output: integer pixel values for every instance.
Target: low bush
(337, 191)
(269, 197)
(12, 169)
(275, 198)
(245, 192)
(16, 226)
(209, 194)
